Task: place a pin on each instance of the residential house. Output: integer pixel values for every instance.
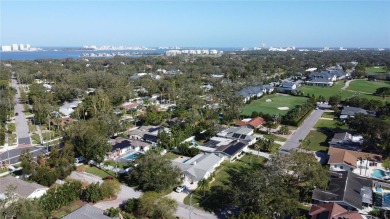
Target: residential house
(287, 87)
(248, 93)
(253, 123)
(147, 133)
(123, 145)
(68, 107)
(129, 106)
(346, 189)
(346, 140)
(23, 189)
(214, 143)
(199, 167)
(350, 112)
(238, 133)
(332, 211)
(87, 212)
(358, 162)
(233, 150)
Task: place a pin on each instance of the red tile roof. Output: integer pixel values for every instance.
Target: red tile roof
(334, 211)
(130, 105)
(255, 122)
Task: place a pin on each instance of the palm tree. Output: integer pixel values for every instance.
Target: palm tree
(203, 185)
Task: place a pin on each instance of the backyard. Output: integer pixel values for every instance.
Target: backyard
(270, 104)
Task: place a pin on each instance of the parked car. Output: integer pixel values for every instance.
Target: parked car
(180, 188)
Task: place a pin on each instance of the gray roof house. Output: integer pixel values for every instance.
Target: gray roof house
(352, 111)
(287, 87)
(238, 133)
(255, 91)
(23, 188)
(346, 189)
(233, 150)
(199, 167)
(346, 140)
(87, 212)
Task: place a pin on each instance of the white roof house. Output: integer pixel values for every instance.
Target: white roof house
(68, 107)
(199, 167)
(239, 133)
(23, 189)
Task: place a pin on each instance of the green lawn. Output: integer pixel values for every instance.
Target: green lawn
(12, 127)
(330, 124)
(99, 172)
(375, 69)
(31, 127)
(60, 213)
(335, 90)
(271, 108)
(223, 172)
(276, 137)
(317, 141)
(12, 139)
(171, 156)
(35, 139)
(367, 86)
(328, 115)
(116, 164)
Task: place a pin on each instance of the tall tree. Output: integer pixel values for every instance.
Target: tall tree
(154, 173)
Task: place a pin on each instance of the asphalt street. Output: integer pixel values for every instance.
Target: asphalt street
(14, 154)
(301, 133)
(20, 120)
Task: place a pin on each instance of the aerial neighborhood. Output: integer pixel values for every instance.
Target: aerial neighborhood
(231, 134)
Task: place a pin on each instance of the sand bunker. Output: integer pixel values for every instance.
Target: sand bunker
(268, 100)
(283, 108)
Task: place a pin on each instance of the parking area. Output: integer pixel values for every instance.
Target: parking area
(179, 197)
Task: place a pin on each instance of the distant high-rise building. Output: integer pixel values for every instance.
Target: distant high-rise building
(28, 46)
(21, 47)
(6, 48)
(15, 47)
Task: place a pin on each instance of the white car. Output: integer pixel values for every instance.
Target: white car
(180, 188)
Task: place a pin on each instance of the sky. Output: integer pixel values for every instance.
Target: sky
(315, 23)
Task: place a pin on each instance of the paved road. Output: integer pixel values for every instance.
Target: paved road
(301, 133)
(14, 154)
(20, 120)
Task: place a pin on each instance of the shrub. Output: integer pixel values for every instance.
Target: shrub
(93, 193)
(109, 188)
(131, 205)
(112, 212)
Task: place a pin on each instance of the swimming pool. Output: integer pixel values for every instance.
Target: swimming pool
(386, 198)
(133, 156)
(379, 189)
(377, 173)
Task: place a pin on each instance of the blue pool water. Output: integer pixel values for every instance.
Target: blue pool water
(378, 189)
(132, 156)
(386, 198)
(377, 173)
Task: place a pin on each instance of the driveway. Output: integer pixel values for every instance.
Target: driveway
(124, 194)
(301, 133)
(20, 120)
